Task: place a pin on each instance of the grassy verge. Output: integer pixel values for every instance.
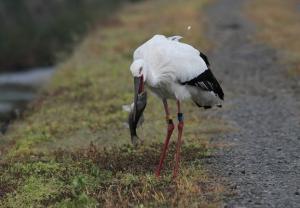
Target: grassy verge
(279, 25)
(72, 149)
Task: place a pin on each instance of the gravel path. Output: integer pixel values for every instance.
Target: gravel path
(263, 165)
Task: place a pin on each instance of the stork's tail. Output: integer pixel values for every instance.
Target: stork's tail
(207, 106)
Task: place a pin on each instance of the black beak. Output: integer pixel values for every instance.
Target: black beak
(140, 101)
(138, 89)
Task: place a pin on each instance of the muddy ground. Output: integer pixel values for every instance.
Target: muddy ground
(262, 166)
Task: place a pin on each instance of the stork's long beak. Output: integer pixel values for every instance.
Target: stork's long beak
(138, 88)
(140, 101)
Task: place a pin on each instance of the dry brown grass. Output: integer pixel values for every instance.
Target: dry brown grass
(279, 25)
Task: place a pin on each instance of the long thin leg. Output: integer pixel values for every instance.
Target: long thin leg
(170, 129)
(179, 142)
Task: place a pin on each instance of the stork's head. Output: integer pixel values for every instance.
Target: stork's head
(137, 69)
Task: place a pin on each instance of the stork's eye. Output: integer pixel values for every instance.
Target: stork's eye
(140, 70)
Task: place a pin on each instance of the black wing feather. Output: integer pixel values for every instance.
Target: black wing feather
(205, 59)
(208, 82)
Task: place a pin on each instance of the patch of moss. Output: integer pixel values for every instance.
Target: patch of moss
(33, 192)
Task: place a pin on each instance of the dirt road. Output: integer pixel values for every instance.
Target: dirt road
(263, 165)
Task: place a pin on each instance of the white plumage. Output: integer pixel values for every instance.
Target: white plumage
(172, 70)
(166, 63)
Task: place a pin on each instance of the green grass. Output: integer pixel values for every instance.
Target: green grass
(72, 146)
(93, 176)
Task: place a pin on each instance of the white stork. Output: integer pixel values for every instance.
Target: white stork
(172, 70)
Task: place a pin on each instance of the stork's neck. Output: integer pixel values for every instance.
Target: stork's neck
(149, 78)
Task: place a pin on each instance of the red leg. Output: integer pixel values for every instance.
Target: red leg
(179, 142)
(166, 144)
